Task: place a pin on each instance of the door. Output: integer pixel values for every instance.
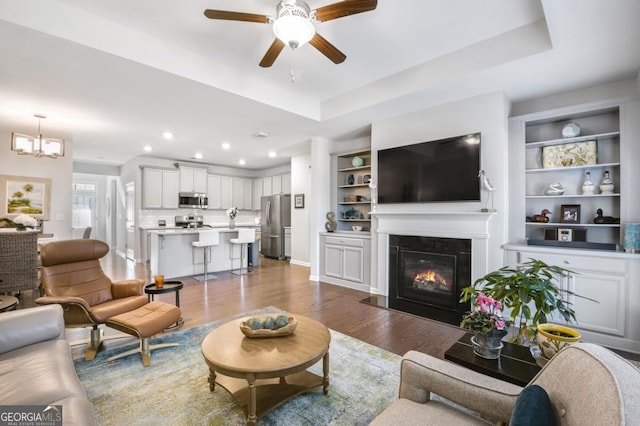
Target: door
(353, 269)
(333, 261)
(130, 208)
(83, 208)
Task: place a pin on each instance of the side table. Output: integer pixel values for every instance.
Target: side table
(169, 286)
(8, 303)
(515, 365)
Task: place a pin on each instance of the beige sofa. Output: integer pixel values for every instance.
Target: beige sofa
(587, 385)
(36, 366)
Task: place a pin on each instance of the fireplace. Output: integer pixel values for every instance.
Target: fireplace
(426, 275)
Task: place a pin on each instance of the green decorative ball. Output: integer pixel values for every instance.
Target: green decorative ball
(281, 321)
(268, 323)
(255, 323)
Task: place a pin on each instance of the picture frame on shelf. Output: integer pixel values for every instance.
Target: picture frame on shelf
(570, 155)
(570, 213)
(298, 201)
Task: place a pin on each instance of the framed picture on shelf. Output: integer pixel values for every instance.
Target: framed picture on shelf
(298, 201)
(570, 213)
(569, 155)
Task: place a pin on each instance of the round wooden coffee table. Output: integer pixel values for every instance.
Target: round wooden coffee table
(262, 373)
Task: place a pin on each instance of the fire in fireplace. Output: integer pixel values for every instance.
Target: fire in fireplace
(426, 275)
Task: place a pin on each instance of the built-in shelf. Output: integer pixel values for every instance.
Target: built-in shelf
(564, 169)
(562, 141)
(351, 169)
(354, 202)
(353, 194)
(574, 225)
(354, 220)
(356, 185)
(533, 197)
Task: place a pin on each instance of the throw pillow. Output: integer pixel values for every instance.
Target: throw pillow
(533, 408)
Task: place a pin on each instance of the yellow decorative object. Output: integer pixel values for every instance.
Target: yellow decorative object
(553, 337)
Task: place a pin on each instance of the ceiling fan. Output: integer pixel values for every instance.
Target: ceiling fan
(293, 25)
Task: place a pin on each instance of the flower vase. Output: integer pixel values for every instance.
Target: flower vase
(232, 223)
(488, 345)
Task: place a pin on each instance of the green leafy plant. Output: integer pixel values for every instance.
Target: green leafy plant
(530, 292)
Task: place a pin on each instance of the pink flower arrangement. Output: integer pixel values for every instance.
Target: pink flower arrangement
(485, 316)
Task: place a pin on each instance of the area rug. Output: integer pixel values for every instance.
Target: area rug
(174, 390)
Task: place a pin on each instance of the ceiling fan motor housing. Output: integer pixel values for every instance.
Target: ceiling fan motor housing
(289, 13)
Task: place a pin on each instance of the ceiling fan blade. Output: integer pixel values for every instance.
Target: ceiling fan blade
(273, 52)
(236, 16)
(327, 49)
(344, 8)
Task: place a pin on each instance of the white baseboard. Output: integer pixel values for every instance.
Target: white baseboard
(300, 263)
(314, 278)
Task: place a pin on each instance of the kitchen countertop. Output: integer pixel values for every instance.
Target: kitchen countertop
(209, 226)
(184, 231)
(353, 234)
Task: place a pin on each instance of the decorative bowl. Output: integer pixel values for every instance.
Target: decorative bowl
(553, 337)
(356, 228)
(357, 161)
(262, 332)
(571, 130)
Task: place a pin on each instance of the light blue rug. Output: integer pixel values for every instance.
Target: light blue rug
(174, 390)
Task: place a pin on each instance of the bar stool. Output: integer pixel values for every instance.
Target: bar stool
(206, 239)
(245, 236)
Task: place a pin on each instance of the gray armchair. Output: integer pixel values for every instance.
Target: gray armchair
(587, 384)
(18, 261)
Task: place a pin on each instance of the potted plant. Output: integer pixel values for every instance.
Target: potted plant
(487, 325)
(529, 292)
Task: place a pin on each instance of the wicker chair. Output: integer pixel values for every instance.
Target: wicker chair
(18, 261)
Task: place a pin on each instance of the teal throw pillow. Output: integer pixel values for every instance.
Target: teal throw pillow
(533, 408)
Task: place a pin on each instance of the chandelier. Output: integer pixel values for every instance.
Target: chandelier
(37, 146)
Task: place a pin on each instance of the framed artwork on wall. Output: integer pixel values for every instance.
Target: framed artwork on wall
(298, 201)
(570, 213)
(25, 195)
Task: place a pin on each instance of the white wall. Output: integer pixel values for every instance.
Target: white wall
(300, 184)
(319, 199)
(487, 114)
(58, 170)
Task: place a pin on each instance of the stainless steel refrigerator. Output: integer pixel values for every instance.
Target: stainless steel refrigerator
(276, 214)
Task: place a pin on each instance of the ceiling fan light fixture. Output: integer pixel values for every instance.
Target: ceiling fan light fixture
(293, 25)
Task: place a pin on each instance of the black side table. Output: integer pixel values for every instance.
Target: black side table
(169, 286)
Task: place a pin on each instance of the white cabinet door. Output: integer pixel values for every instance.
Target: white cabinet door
(257, 193)
(333, 261)
(353, 261)
(286, 183)
(200, 180)
(608, 314)
(276, 184)
(238, 192)
(287, 243)
(151, 188)
(247, 198)
(170, 189)
(267, 186)
(226, 191)
(186, 179)
(213, 192)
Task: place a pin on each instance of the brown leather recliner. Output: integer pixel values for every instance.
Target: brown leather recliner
(72, 277)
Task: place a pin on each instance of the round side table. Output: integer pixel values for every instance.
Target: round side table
(8, 303)
(169, 286)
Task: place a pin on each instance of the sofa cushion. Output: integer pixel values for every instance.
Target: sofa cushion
(404, 412)
(37, 374)
(533, 408)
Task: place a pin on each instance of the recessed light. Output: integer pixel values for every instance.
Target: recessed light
(272, 154)
(198, 156)
(226, 145)
(147, 148)
(242, 162)
(167, 135)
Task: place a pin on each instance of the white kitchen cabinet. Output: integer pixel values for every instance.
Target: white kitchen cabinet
(226, 192)
(287, 242)
(247, 193)
(286, 183)
(193, 179)
(257, 193)
(160, 188)
(276, 184)
(345, 260)
(213, 192)
(267, 188)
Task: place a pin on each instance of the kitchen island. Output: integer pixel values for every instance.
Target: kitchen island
(173, 255)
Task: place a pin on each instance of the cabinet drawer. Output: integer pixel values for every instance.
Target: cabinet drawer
(352, 242)
(573, 262)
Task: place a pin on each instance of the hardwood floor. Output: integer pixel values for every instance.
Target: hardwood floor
(286, 286)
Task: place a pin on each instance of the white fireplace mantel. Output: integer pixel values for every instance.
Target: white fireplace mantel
(471, 225)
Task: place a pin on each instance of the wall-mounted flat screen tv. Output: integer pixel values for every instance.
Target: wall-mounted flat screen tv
(435, 171)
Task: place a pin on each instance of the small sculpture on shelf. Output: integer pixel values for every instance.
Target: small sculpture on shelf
(587, 186)
(600, 219)
(542, 217)
(331, 224)
(554, 189)
(606, 184)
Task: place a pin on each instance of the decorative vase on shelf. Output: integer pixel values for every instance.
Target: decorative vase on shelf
(587, 186)
(357, 161)
(232, 223)
(350, 180)
(606, 184)
(488, 345)
(571, 130)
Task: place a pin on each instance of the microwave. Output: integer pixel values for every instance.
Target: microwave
(193, 200)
